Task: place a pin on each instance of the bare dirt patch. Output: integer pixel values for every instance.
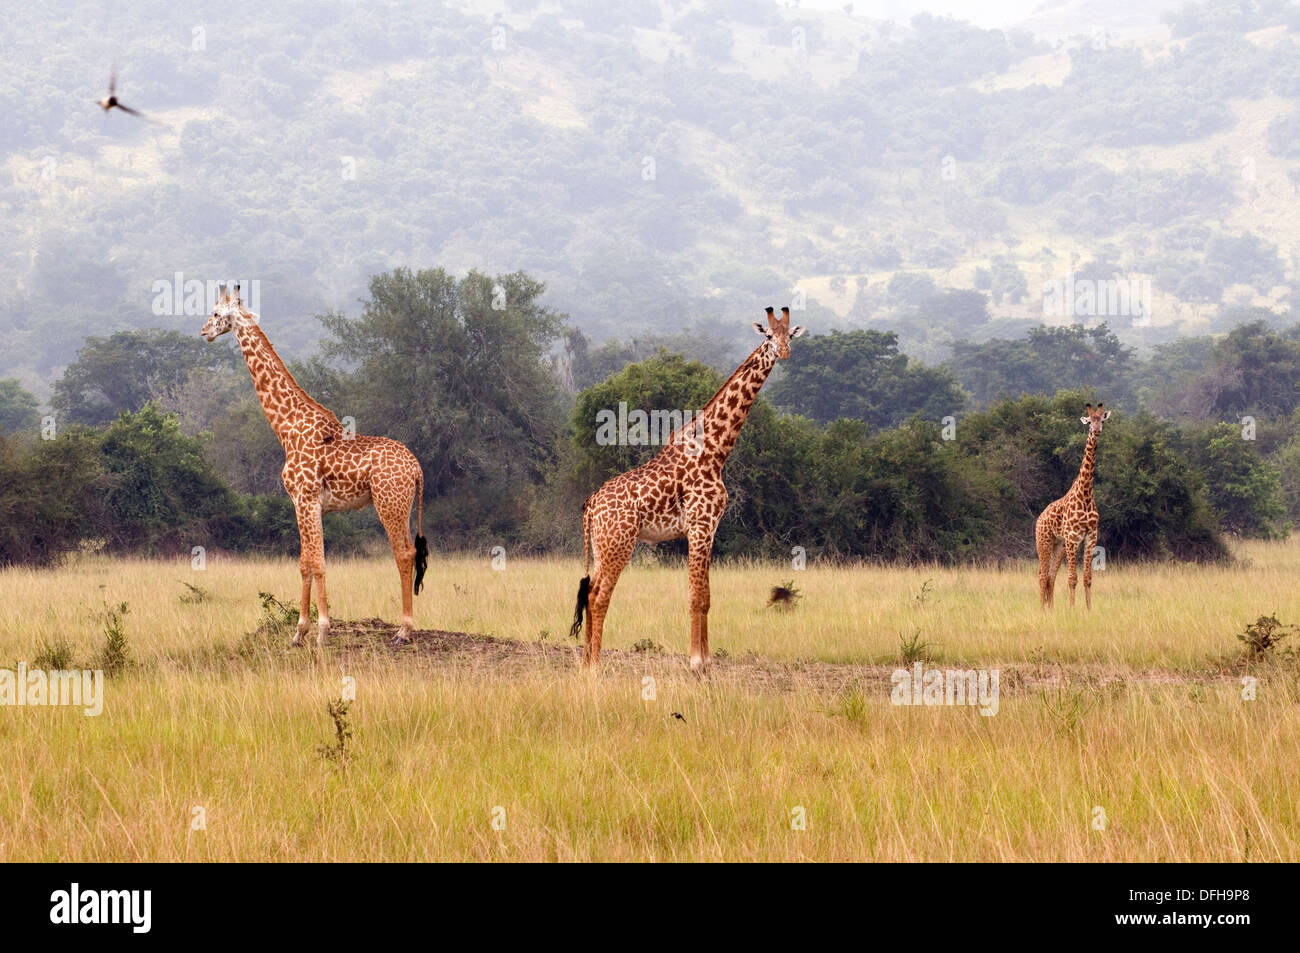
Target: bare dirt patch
(474, 654)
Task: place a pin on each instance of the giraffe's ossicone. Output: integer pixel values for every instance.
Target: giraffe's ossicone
(327, 467)
(1070, 521)
(677, 493)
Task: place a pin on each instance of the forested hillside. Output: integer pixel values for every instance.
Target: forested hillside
(661, 167)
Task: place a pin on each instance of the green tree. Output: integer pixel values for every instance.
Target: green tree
(160, 492)
(126, 370)
(459, 370)
(1045, 361)
(50, 491)
(18, 408)
(861, 374)
(1244, 489)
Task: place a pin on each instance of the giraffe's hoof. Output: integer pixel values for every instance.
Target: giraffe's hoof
(403, 637)
(323, 636)
(700, 667)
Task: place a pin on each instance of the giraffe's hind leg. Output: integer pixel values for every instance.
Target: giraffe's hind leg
(393, 497)
(1050, 552)
(611, 546)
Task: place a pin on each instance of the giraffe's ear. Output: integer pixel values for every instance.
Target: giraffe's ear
(1106, 415)
(796, 331)
(1086, 421)
(760, 329)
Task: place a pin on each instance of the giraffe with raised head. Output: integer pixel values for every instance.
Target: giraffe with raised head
(1069, 521)
(328, 468)
(678, 492)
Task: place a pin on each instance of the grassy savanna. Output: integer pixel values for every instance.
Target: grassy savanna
(1145, 719)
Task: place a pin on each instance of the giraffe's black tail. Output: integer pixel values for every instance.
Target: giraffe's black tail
(421, 562)
(421, 544)
(584, 590)
(584, 587)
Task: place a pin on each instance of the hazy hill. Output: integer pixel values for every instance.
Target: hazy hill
(662, 166)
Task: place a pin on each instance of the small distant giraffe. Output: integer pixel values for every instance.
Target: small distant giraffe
(1069, 521)
(328, 468)
(677, 493)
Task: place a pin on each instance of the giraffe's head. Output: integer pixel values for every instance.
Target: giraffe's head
(229, 311)
(1095, 418)
(778, 332)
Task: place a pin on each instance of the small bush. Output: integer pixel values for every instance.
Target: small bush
(115, 655)
(337, 751)
(55, 656)
(1264, 635)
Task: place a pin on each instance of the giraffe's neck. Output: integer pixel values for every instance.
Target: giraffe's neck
(289, 411)
(1083, 482)
(722, 417)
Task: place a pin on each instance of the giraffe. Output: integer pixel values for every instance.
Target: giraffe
(1069, 521)
(328, 468)
(677, 493)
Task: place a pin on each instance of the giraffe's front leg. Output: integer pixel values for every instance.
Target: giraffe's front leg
(1090, 545)
(1072, 551)
(304, 612)
(311, 564)
(700, 538)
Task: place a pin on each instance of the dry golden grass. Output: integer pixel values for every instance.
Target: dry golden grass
(586, 768)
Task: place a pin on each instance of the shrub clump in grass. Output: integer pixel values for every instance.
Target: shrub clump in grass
(1264, 635)
(784, 597)
(54, 656)
(195, 595)
(853, 706)
(279, 622)
(337, 751)
(115, 655)
(914, 649)
(647, 645)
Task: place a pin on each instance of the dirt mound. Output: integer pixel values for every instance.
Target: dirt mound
(507, 658)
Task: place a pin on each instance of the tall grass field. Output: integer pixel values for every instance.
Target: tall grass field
(1145, 729)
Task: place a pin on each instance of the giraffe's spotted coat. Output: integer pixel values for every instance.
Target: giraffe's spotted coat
(326, 468)
(1069, 521)
(677, 493)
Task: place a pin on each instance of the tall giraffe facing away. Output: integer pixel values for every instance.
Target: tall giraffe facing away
(677, 493)
(328, 468)
(1069, 521)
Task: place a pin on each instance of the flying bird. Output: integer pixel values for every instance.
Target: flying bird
(109, 102)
